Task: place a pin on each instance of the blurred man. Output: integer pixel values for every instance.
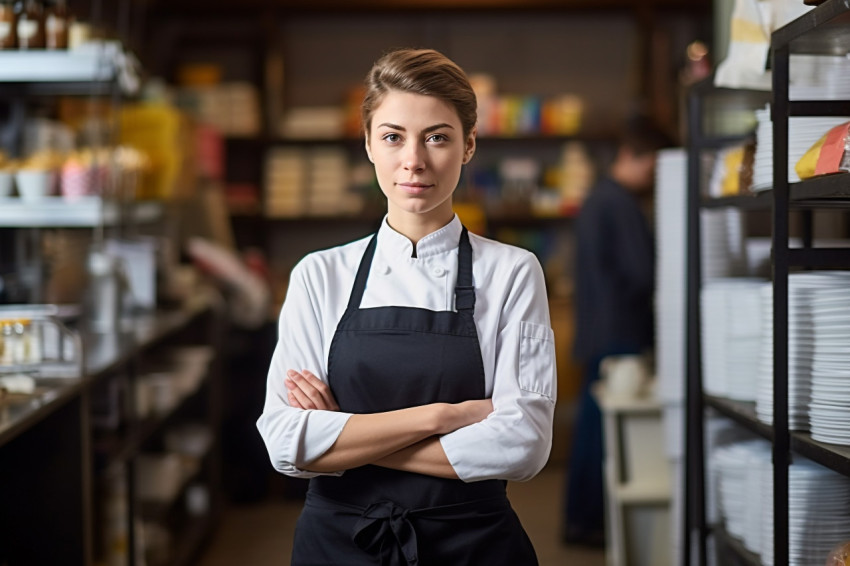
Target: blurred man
(614, 310)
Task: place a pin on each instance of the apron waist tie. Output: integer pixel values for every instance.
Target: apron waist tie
(378, 525)
(384, 527)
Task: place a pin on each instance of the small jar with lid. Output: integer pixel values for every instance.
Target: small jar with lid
(57, 21)
(30, 24)
(8, 25)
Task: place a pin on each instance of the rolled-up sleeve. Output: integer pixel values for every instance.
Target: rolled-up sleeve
(514, 441)
(294, 436)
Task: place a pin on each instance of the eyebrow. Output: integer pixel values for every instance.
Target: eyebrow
(425, 131)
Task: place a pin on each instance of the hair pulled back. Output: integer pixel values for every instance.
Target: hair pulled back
(420, 71)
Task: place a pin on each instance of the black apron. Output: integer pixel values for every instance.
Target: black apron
(388, 358)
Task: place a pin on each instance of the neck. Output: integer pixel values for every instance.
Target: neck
(417, 226)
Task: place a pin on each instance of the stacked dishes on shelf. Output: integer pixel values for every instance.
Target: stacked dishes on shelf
(803, 133)
(815, 334)
(723, 250)
(737, 471)
(731, 337)
(812, 77)
(829, 410)
(818, 512)
(818, 502)
(819, 77)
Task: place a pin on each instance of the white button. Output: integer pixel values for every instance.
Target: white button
(382, 268)
(438, 272)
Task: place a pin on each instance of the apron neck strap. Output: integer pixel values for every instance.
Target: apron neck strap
(464, 290)
(362, 275)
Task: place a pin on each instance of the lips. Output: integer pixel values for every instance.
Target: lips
(414, 188)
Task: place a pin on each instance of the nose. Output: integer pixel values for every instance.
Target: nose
(414, 157)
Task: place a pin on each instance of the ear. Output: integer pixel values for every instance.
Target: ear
(368, 149)
(469, 151)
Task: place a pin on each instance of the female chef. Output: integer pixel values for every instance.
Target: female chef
(415, 369)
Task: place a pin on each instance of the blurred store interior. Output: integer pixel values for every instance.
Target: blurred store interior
(165, 163)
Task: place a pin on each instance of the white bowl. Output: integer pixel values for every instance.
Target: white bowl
(34, 185)
(6, 179)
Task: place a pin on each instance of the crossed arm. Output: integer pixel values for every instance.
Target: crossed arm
(406, 439)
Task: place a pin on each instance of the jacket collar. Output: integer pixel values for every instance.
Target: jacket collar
(394, 244)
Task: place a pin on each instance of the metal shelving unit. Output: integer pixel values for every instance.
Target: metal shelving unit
(824, 30)
(696, 528)
(59, 460)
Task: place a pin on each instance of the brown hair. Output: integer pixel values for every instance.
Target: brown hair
(420, 71)
(642, 136)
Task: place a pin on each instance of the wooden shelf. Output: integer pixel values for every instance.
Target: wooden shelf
(741, 556)
(756, 201)
(828, 191)
(742, 412)
(124, 445)
(832, 456)
(824, 192)
(158, 511)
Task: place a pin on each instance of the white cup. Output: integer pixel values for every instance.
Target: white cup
(34, 185)
(625, 377)
(6, 179)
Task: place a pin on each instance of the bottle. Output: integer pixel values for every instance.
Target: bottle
(19, 350)
(10, 343)
(5, 343)
(56, 24)
(8, 25)
(34, 343)
(30, 24)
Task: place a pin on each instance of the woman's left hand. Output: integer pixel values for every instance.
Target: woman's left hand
(306, 391)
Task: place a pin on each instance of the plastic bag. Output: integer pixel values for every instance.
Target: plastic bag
(840, 555)
(830, 154)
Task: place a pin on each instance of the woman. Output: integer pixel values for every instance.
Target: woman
(430, 365)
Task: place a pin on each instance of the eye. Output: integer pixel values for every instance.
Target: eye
(437, 138)
(391, 138)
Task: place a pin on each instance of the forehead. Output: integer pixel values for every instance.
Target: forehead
(413, 111)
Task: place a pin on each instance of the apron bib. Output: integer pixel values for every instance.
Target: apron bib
(387, 358)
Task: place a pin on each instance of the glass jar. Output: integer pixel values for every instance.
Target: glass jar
(57, 20)
(30, 25)
(6, 342)
(19, 352)
(8, 25)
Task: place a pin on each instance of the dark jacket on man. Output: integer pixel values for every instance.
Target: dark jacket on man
(615, 274)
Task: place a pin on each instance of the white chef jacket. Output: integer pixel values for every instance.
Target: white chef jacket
(511, 317)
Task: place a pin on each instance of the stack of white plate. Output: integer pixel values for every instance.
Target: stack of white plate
(803, 288)
(829, 410)
(731, 337)
(803, 133)
(818, 512)
(738, 471)
(724, 253)
(819, 77)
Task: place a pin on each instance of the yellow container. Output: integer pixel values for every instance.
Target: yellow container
(155, 130)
